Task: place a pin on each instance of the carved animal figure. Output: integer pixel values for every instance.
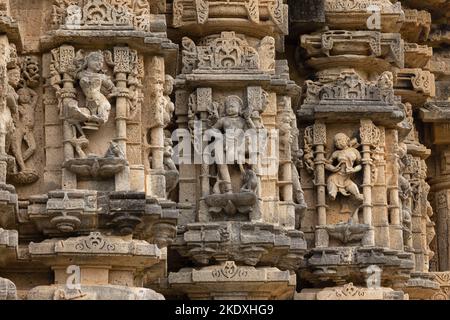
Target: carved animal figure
(250, 180)
(114, 151)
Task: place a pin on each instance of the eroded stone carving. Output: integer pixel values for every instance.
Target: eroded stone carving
(236, 119)
(228, 51)
(208, 11)
(101, 14)
(350, 86)
(349, 14)
(342, 197)
(388, 46)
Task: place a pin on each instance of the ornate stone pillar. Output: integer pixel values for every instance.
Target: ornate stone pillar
(355, 171)
(231, 82)
(111, 200)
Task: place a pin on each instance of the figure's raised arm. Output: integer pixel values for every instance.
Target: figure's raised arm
(213, 116)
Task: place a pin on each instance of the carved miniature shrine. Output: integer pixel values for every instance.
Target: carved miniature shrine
(212, 149)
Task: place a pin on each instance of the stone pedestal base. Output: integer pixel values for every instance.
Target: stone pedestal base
(93, 292)
(96, 267)
(336, 264)
(350, 292)
(245, 242)
(421, 286)
(229, 281)
(443, 279)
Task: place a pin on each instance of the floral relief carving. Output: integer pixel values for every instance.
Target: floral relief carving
(103, 14)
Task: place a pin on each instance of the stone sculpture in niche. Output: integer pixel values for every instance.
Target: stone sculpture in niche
(18, 120)
(24, 119)
(161, 113)
(266, 51)
(343, 163)
(235, 119)
(249, 180)
(170, 170)
(405, 162)
(299, 196)
(97, 88)
(84, 89)
(12, 105)
(167, 105)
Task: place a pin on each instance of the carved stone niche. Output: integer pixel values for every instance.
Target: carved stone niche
(416, 26)
(344, 216)
(22, 170)
(417, 56)
(9, 77)
(254, 17)
(69, 212)
(230, 189)
(354, 15)
(368, 50)
(98, 93)
(415, 86)
(242, 282)
(108, 267)
(229, 52)
(349, 97)
(20, 77)
(246, 243)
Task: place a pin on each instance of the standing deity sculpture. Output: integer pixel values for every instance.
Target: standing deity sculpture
(168, 106)
(348, 160)
(343, 163)
(405, 192)
(24, 120)
(12, 105)
(235, 120)
(171, 171)
(232, 120)
(17, 116)
(299, 195)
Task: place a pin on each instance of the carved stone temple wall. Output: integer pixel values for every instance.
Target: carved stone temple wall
(109, 107)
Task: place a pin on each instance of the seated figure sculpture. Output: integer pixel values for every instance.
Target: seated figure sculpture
(348, 161)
